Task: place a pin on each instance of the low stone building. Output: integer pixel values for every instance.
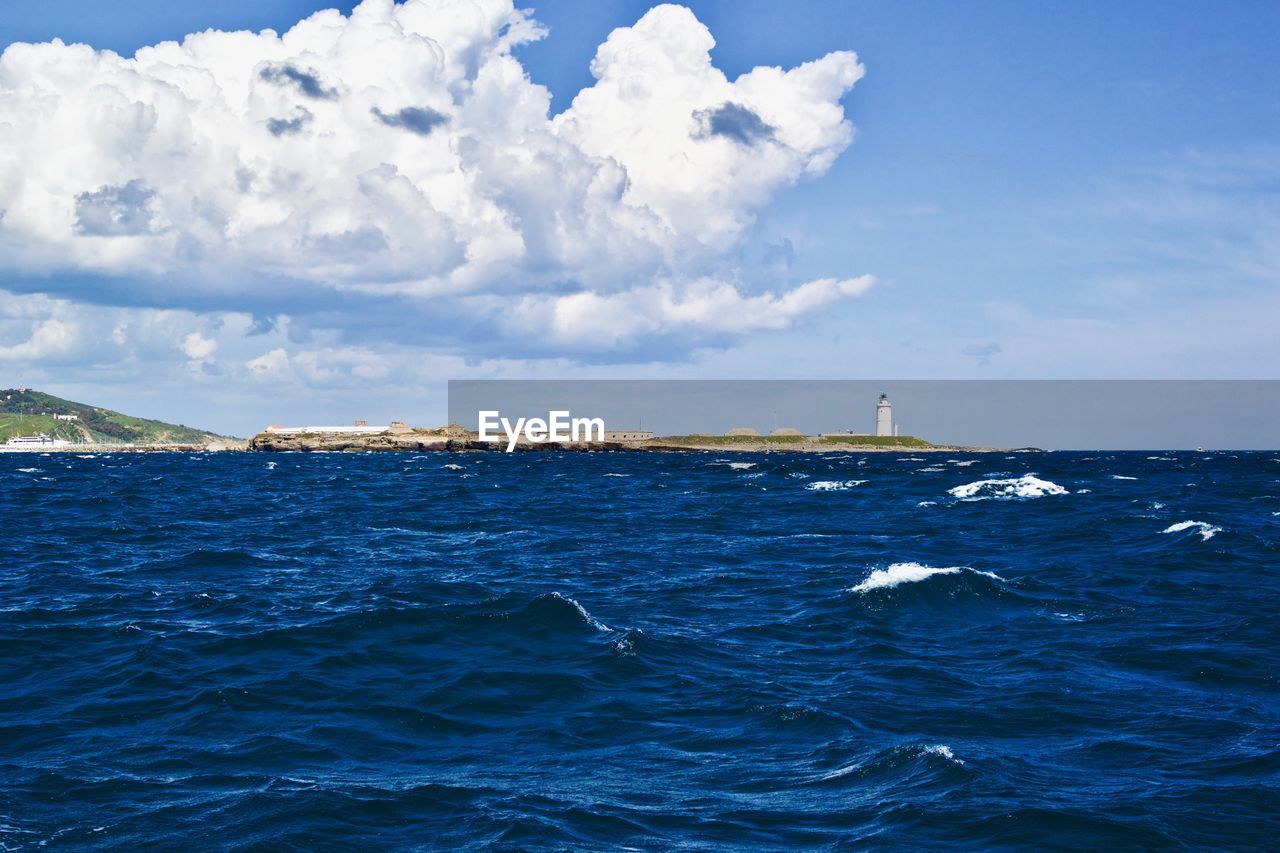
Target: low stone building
(628, 434)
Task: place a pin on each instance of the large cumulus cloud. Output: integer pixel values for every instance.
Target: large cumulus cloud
(401, 155)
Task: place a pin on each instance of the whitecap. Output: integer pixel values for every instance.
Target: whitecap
(1163, 458)
(932, 469)
(900, 573)
(1083, 491)
(741, 466)
(582, 611)
(1026, 486)
(943, 751)
(833, 485)
(29, 470)
(965, 464)
(1207, 531)
(1122, 477)
(452, 466)
(271, 466)
(927, 503)
(617, 475)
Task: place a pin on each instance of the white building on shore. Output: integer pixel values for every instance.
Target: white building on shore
(360, 427)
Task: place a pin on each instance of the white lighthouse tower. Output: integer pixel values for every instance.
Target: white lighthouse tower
(884, 416)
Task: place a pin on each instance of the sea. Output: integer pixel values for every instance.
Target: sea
(643, 651)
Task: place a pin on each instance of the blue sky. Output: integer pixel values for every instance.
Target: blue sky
(1083, 190)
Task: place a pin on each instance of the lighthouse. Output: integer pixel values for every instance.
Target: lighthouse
(884, 416)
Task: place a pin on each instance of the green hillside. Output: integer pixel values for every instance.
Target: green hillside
(27, 412)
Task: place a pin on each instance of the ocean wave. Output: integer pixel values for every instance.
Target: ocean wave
(1026, 486)
(1122, 477)
(741, 466)
(894, 759)
(1207, 531)
(942, 751)
(833, 485)
(582, 611)
(900, 573)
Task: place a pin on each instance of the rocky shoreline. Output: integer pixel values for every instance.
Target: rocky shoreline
(456, 439)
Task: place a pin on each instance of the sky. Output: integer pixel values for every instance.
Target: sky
(331, 219)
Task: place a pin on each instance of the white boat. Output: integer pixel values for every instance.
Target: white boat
(33, 442)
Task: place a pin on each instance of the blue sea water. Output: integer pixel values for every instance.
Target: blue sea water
(653, 651)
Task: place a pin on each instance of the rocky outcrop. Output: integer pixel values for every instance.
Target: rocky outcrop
(456, 438)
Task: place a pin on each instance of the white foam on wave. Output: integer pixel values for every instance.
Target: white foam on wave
(1207, 531)
(1163, 458)
(452, 466)
(943, 751)
(927, 503)
(932, 469)
(617, 475)
(271, 466)
(582, 611)
(965, 464)
(741, 466)
(833, 485)
(900, 573)
(1026, 486)
(1122, 477)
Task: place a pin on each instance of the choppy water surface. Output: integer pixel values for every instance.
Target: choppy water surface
(653, 650)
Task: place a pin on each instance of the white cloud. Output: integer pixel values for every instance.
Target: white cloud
(401, 153)
(198, 348)
(705, 308)
(330, 366)
(49, 337)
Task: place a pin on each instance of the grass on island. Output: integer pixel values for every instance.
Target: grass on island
(904, 441)
(721, 440)
(877, 440)
(27, 412)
